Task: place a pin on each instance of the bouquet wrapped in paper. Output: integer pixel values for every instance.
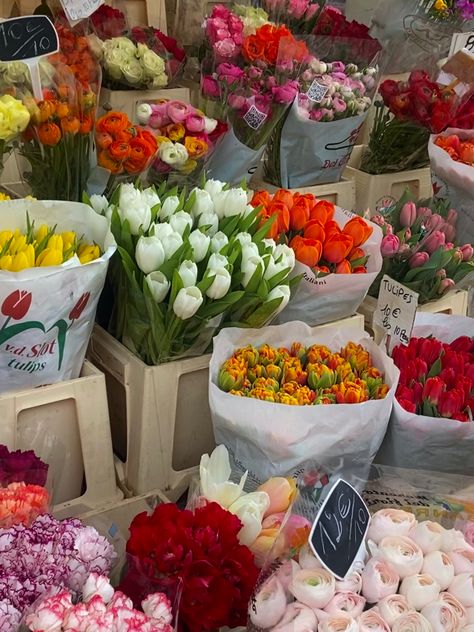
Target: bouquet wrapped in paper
(301, 16)
(14, 120)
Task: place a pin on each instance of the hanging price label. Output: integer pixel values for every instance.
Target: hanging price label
(80, 9)
(396, 310)
(460, 41)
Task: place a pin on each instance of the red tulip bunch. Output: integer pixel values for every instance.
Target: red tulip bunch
(436, 378)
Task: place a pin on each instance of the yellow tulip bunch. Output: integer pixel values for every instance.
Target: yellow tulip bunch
(42, 247)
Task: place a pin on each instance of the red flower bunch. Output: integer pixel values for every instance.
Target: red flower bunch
(334, 23)
(200, 554)
(18, 466)
(436, 378)
(459, 150)
(421, 101)
(271, 44)
(108, 22)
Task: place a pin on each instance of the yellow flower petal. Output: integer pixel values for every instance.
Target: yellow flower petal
(56, 242)
(41, 233)
(5, 236)
(88, 253)
(20, 262)
(5, 262)
(49, 257)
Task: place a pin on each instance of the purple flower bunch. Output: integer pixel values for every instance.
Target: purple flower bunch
(49, 554)
(466, 9)
(21, 467)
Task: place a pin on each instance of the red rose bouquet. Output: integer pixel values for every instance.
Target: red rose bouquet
(108, 22)
(198, 554)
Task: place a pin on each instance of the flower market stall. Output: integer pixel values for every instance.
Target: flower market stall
(236, 344)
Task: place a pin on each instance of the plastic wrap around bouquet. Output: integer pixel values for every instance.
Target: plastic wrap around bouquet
(48, 311)
(271, 439)
(429, 429)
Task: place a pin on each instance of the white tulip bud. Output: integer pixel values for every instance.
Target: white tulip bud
(213, 187)
(162, 231)
(249, 265)
(187, 303)
(171, 244)
(188, 272)
(180, 221)
(202, 204)
(211, 220)
(168, 207)
(281, 291)
(200, 245)
(217, 261)
(219, 241)
(159, 286)
(236, 202)
(149, 254)
(221, 284)
(150, 197)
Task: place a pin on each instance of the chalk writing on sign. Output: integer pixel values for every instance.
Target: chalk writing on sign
(27, 37)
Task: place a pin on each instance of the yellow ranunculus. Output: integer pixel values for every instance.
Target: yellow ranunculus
(19, 262)
(50, 257)
(5, 262)
(440, 5)
(188, 167)
(41, 233)
(56, 242)
(88, 253)
(5, 236)
(14, 117)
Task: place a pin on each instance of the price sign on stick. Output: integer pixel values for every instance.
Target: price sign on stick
(80, 9)
(27, 39)
(396, 310)
(340, 529)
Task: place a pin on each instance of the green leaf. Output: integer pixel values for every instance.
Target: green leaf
(254, 282)
(435, 368)
(206, 281)
(214, 308)
(262, 290)
(263, 231)
(86, 199)
(190, 202)
(246, 222)
(229, 225)
(262, 315)
(428, 409)
(176, 286)
(278, 278)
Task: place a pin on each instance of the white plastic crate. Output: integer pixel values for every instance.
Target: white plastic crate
(160, 417)
(454, 302)
(127, 100)
(67, 425)
(374, 192)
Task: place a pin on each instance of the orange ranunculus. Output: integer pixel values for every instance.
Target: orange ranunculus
(359, 270)
(307, 251)
(103, 140)
(46, 109)
(139, 155)
(125, 135)
(331, 228)
(253, 48)
(195, 146)
(119, 151)
(86, 124)
(285, 196)
(175, 131)
(337, 247)
(112, 123)
(299, 213)
(49, 134)
(356, 253)
(261, 198)
(62, 109)
(149, 138)
(70, 124)
(315, 230)
(343, 267)
(281, 211)
(322, 210)
(104, 159)
(358, 229)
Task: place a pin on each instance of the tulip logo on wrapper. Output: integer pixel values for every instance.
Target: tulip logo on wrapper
(32, 358)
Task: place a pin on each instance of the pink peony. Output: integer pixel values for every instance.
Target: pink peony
(229, 73)
(286, 93)
(210, 87)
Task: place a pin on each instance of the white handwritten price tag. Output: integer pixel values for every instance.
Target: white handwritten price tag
(396, 310)
(80, 9)
(340, 529)
(460, 41)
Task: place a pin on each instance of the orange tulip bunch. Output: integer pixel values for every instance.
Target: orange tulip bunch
(316, 238)
(123, 147)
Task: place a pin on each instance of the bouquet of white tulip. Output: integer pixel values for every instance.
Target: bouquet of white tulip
(190, 264)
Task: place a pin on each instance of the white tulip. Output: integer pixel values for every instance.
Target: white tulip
(219, 241)
(220, 203)
(250, 250)
(211, 220)
(188, 272)
(249, 265)
(202, 203)
(200, 245)
(150, 197)
(274, 267)
(158, 285)
(187, 302)
(247, 210)
(210, 124)
(162, 231)
(144, 112)
(129, 196)
(99, 203)
(236, 202)
(213, 187)
(244, 239)
(172, 243)
(281, 291)
(180, 221)
(168, 207)
(217, 261)
(149, 254)
(138, 216)
(214, 473)
(288, 254)
(221, 284)
(250, 508)
(270, 243)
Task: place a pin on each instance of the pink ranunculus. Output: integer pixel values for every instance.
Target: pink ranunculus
(348, 603)
(155, 121)
(220, 11)
(390, 245)
(271, 83)
(286, 93)
(285, 66)
(222, 34)
(337, 66)
(226, 49)
(316, 115)
(297, 8)
(178, 111)
(236, 101)
(254, 72)
(379, 580)
(210, 87)
(230, 73)
(195, 122)
(339, 105)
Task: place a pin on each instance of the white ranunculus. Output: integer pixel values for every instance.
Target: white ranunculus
(282, 250)
(99, 203)
(220, 285)
(200, 244)
(236, 202)
(150, 197)
(188, 272)
(138, 216)
(144, 112)
(274, 267)
(187, 302)
(219, 241)
(149, 254)
(281, 291)
(217, 261)
(313, 587)
(214, 474)
(211, 220)
(173, 153)
(250, 509)
(213, 187)
(202, 202)
(159, 285)
(168, 207)
(162, 231)
(244, 239)
(220, 203)
(249, 265)
(210, 124)
(180, 221)
(171, 244)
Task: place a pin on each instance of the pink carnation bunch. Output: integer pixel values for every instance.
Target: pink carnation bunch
(101, 610)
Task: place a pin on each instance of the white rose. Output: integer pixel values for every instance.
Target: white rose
(235, 203)
(217, 261)
(220, 285)
(144, 112)
(114, 60)
(150, 197)
(132, 71)
(219, 241)
(249, 266)
(172, 243)
(202, 202)
(173, 153)
(121, 43)
(149, 254)
(168, 207)
(211, 220)
(180, 221)
(99, 203)
(138, 216)
(210, 125)
(159, 81)
(159, 285)
(200, 245)
(152, 63)
(283, 292)
(187, 303)
(213, 187)
(188, 272)
(97, 585)
(162, 231)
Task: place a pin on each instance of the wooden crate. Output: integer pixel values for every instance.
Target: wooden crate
(67, 425)
(454, 302)
(128, 100)
(374, 192)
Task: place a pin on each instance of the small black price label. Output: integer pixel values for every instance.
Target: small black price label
(340, 529)
(27, 37)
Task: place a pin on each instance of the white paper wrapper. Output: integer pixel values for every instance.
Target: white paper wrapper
(232, 161)
(335, 296)
(52, 349)
(430, 443)
(312, 152)
(275, 439)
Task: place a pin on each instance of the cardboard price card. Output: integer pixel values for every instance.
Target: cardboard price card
(80, 9)
(396, 310)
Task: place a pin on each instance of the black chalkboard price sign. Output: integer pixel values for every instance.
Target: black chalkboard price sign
(27, 37)
(340, 529)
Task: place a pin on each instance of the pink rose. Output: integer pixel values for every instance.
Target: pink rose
(229, 73)
(297, 8)
(226, 49)
(210, 87)
(339, 105)
(220, 11)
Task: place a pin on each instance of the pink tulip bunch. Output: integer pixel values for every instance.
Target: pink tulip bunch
(419, 247)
